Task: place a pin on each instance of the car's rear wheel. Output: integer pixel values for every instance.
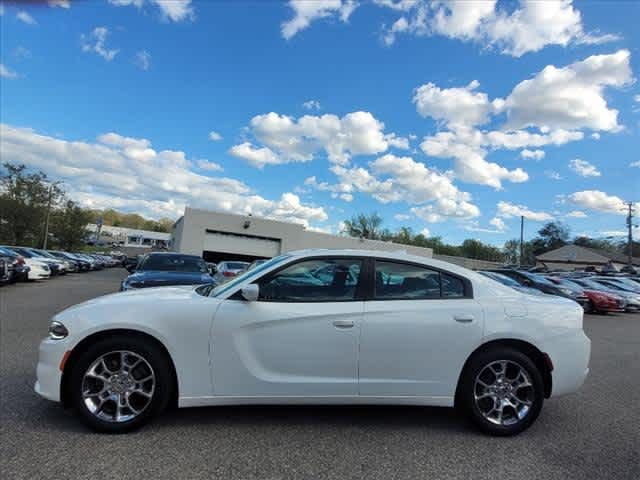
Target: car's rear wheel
(118, 384)
(502, 391)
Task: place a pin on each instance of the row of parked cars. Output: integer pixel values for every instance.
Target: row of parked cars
(26, 263)
(165, 268)
(596, 292)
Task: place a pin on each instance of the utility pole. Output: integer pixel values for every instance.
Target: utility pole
(630, 234)
(46, 220)
(521, 240)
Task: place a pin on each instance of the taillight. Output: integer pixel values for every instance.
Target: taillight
(228, 274)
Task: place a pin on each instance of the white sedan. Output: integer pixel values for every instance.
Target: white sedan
(319, 327)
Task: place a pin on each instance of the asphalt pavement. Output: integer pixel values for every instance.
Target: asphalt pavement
(593, 434)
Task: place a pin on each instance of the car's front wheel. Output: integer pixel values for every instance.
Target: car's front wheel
(119, 383)
(502, 391)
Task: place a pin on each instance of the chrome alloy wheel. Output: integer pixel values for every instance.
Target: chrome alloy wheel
(118, 386)
(503, 392)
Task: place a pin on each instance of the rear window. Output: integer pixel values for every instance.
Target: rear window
(236, 265)
(173, 263)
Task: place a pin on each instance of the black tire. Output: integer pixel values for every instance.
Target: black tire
(153, 355)
(474, 368)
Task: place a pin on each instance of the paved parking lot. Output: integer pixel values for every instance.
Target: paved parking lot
(594, 434)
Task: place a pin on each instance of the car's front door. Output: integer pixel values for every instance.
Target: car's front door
(300, 338)
(417, 332)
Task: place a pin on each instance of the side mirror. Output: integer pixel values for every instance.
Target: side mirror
(250, 292)
(131, 268)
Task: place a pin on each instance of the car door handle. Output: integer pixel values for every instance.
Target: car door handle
(343, 323)
(463, 318)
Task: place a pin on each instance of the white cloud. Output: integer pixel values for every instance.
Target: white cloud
(570, 97)
(95, 42)
(214, 136)
(528, 28)
(498, 223)
(425, 232)
(532, 154)
(549, 109)
(173, 10)
(577, 214)
(394, 141)
(305, 12)
(143, 60)
(553, 175)
(635, 164)
(25, 17)
(209, 166)
(599, 201)
(6, 72)
(595, 136)
(311, 105)
(453, 105)
(465, 146)
(509, 210)
(59, 3)
(636, 98)
(402, 217)
(258, 157)
(583, 168)
(127, 173)
(298, 140)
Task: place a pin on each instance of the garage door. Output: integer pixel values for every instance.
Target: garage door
(241, 244)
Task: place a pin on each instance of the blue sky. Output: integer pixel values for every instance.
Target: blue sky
(437, 115)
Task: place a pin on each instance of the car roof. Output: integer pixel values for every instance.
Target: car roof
(399, 255)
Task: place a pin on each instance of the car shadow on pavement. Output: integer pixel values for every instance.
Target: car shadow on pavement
(366, 416)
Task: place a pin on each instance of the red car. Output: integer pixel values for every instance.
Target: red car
(603, 302)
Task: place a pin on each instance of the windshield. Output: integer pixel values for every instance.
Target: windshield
(173, 263)
(221, 289)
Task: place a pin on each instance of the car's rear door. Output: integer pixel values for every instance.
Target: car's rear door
(299, 339)
(417, 332)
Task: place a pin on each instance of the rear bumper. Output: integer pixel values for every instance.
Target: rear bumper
(570, 357)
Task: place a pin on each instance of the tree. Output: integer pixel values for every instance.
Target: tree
(364, 226)
(68, 225)
(551, 236)
(24, 199)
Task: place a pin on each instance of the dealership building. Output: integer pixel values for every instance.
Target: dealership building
(220, 236)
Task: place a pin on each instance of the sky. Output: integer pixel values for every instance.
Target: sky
(452, 118)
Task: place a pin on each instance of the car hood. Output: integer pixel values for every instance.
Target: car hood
(157, 278)
(147, 296)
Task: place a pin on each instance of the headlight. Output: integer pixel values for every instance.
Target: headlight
(57, 331)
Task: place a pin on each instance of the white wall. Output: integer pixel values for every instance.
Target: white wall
(189, 234)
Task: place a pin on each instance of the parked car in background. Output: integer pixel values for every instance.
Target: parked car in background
(492, 351)
(537, 281)
(510, 282)
(56, 266)
(162, 269)
(6, 269)
(632, 300)
(68, 266)
(130, 262)
(227, 270)
(18, 269)
(38, 270)
(76, 263)
(598, 301)
(620, 282)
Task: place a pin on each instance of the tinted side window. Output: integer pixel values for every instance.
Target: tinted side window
(452, 287)
(403, 281)
(317, 280)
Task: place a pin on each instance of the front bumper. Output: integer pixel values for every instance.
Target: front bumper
(48, 374)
